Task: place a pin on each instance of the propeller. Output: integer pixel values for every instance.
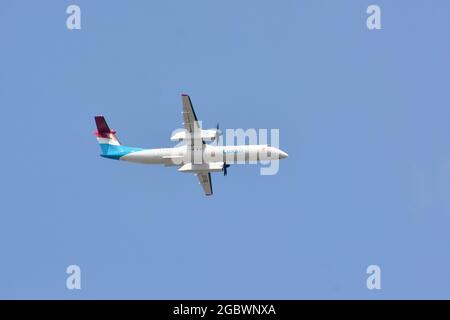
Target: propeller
(217, 134)
(225, 166)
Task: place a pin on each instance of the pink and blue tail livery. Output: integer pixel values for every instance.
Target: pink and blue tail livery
(109, 144)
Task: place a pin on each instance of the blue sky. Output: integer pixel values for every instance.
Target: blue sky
(364, 116)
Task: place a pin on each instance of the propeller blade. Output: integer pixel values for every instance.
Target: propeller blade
(225, 166)
(217, 134)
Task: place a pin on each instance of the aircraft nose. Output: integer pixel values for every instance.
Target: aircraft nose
(283, 154)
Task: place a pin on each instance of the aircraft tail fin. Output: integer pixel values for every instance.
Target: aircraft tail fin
(109, 144)
(106, 137)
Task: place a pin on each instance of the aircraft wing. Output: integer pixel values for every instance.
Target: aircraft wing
(190, 120)
(205, 180)
(192, 126)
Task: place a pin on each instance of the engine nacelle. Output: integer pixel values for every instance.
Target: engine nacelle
(207, 135)
(203, 167)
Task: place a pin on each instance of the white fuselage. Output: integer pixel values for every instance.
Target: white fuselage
(205, 154)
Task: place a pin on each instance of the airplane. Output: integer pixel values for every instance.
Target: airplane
(195, 155)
